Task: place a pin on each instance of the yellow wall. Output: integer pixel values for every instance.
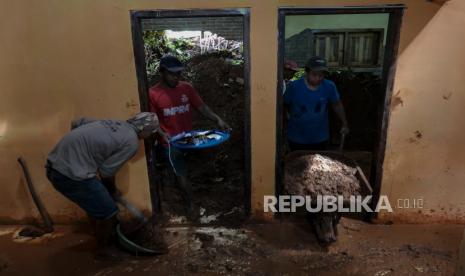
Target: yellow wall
(425, 155)
(62, 59)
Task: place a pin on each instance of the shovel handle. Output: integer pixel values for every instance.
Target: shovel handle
(35, 197)
(132, 209)
(341, 145)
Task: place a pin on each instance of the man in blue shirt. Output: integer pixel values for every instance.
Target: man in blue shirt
(306, 101)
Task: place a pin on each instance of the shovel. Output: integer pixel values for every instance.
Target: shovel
(122, 234)
(48, 224)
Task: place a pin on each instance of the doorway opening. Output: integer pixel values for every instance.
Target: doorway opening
(359, 45)
(213, 45)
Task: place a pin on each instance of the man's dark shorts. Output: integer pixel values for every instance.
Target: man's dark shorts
(89, 194)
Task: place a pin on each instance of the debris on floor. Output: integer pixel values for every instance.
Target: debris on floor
(32, 231)
(255, 249)
(17, 237)
(204, 219)
(173, 219)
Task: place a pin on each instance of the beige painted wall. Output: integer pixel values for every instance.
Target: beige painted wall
(425, 155)
(62, 59)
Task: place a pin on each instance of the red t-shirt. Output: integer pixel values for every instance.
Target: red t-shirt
(173, 106)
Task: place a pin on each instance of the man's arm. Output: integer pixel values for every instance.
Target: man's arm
(165, 136)
(112, 164)
(339, 110)
(109, 183)
(109, 168)
(207, 112)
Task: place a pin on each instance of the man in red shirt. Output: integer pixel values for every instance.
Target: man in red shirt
(173, 100)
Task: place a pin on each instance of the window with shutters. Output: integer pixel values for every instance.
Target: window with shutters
(331, 47)
(349, 48)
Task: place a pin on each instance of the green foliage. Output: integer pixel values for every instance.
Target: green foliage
(298, 74)
(342, 76)
(180, 48)
(237, 62)
(156, 45)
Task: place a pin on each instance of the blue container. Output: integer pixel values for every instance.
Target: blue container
(199, 139)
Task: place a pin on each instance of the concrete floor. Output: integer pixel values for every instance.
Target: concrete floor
(256, 249)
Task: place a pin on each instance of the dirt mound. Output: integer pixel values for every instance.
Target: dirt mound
(217, 174)
(316, 174)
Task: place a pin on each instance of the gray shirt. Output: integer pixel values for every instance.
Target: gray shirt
(94, 146)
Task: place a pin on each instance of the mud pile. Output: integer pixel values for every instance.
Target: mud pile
(315, 174)
(218, 174)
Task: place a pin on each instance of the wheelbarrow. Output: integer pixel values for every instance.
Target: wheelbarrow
(338, 155)
(325, 224)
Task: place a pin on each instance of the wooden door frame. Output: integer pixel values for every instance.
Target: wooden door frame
(390, 55)
(139, 56)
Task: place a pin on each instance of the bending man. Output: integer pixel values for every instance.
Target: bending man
(83, 164)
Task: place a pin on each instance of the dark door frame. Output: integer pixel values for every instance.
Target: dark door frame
(143, 86)
(392, 44)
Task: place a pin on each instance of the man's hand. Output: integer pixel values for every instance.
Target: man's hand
(206, 111)
(339, 110)
(164, 135)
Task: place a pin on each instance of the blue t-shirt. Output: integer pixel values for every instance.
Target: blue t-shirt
(308, 111)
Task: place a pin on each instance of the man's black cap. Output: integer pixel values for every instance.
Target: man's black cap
(171, 63)
(316, 64)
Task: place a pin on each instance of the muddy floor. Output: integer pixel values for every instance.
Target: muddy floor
(255, 249)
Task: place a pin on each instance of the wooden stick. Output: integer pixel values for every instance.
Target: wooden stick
(365, 181)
